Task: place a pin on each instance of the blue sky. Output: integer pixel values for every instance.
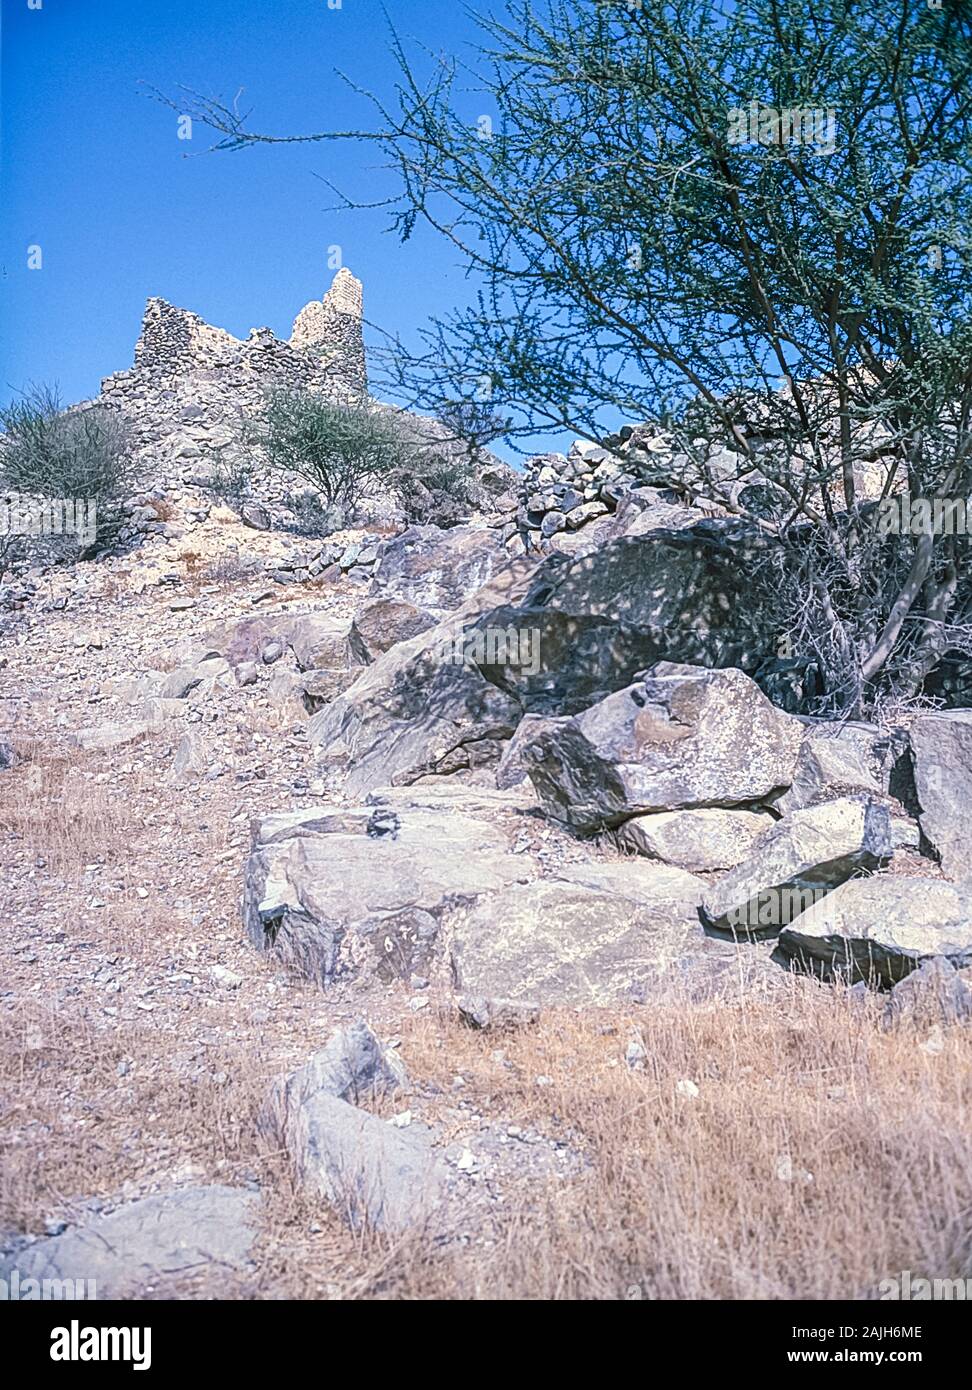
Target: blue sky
(94, 173)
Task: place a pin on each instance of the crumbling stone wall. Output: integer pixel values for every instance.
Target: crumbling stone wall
(174, 341)
(192, 385)
(330, 330)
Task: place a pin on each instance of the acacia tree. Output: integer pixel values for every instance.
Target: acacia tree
(662, 229)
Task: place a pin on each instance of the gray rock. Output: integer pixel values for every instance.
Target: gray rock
(497, 1015)
(254, 515)
(382, 624)
(169, 1235)
(585, 512)
(942, 745)
(416, 710)
(556, 663)
(834, 761)
(709, 968)
(682, 577)
(111, 735)
(317, 639)
(437, 569)
(702, 840)
(880, 929)
(181, 682)
(934, 993)
(906, 834)
(373, 1174)
(595, 936)
(353, 1066)
(191, 757)
(685, 737)
(803, 857)
(327, 898)
(324, 684)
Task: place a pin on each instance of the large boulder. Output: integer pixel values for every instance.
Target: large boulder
(437, 569)
(422, 707)
(942, 745)
(336, 892)
(559, 663)
(702, 840)
(794, 864)
(879, 929)
(686, 581)
(595, 935)
(417, 710)
(683, 736)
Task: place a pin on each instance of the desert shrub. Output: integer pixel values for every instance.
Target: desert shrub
(51, 453)
(783, 288)
(341, 449)
(472, 423)
(436, 481)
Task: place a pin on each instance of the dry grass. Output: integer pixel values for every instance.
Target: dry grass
(60, 812)
(820, 1155)
(94, 1112)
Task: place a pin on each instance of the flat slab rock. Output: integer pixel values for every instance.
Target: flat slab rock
(595, 935)
(332, 899)
(880, 929)
(438, 892)
(163, 1236)
(704, 840)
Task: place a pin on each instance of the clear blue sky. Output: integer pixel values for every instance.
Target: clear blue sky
(93, 172)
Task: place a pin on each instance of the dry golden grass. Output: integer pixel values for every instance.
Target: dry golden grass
(55, 805)
(820, 1155)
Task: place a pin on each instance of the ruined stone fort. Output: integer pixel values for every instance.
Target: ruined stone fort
(185, 368)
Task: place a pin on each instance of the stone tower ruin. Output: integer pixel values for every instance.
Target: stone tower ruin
(331, 327)
(186, 370)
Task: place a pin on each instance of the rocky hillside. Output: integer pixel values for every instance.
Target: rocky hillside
(422, 890)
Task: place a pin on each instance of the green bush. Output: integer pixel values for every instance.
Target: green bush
(50, 452)
(340, 449)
